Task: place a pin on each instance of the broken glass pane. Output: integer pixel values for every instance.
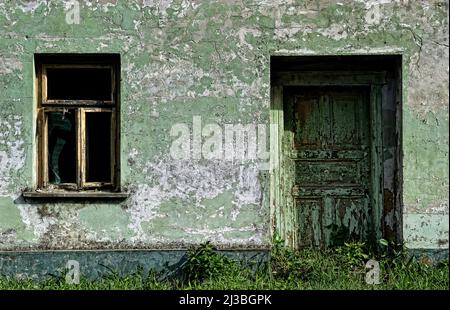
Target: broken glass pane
(98, 147)
(61, 147)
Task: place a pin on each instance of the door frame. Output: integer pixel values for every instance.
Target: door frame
(282, 210)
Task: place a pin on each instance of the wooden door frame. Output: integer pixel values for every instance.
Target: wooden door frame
(282, 211)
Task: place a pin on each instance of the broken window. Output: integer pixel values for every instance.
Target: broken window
(61, 147)
(77, 110)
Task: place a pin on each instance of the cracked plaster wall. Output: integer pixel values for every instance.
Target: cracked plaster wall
(210, 58)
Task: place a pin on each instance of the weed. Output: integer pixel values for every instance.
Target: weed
(206, 268)
(203, 262)
(353, 253)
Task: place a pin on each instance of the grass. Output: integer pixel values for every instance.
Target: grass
(309, 269)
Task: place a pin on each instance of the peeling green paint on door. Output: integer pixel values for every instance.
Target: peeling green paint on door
(327, 189)
(330, 155)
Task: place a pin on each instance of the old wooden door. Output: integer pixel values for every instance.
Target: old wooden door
(328, 156)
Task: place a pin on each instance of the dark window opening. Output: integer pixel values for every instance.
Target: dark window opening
(98, 147)
(79, 84)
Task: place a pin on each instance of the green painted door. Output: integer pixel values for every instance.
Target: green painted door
(328, 156)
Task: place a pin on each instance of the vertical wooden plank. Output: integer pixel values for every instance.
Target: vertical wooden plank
(376, 159)
(324, 120)
(276, 119)
(279, 193)
(112, 146)
(344, 113)
(44, 148)
(44, 84)
(114, 130)
(82, 146)
(273, 120)
(288, 204)
(39, 138)
(117, 178)
(316, 222)
(330, 204)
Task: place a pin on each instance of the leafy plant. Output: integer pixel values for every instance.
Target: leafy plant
(285, 262)
(204, 262)
(391, 249)
(394, 254)
(395, 262)
(353, 253)
(308, 268)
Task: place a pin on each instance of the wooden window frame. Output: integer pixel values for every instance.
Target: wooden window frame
(83, 135)
(81, 107)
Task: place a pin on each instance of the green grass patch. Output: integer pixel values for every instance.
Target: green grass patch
(309, 269)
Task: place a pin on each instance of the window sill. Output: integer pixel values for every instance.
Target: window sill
(74, 195)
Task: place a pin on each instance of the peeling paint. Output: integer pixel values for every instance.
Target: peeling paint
(10, 65)
(181, 59)
(12, 156)
(426, 231)
(34, 221)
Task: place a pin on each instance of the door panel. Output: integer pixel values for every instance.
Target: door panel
(329, 151)
(323, 172)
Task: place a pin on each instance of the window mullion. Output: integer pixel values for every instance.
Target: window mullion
(44, 149)
(81, 148)
(113, 146)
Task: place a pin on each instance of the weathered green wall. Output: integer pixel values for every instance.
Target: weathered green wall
(182, 59)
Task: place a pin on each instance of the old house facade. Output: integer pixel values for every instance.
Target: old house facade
(130, 130)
